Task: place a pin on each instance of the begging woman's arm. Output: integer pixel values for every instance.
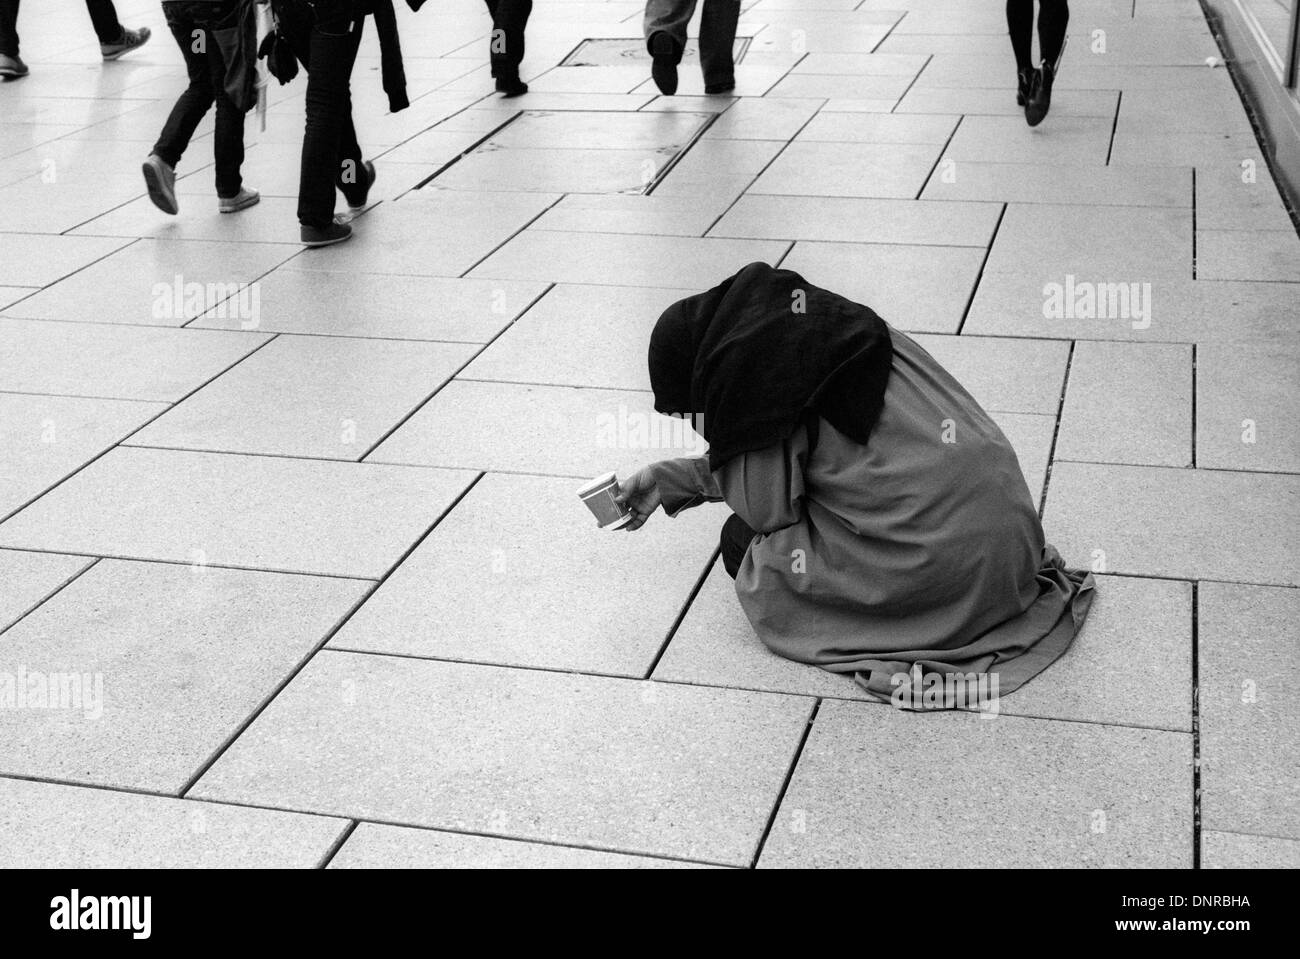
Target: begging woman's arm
(763, 487)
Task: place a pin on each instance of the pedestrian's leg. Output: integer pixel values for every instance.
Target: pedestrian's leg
(194, 102)
(717, 42)
(736, 537)
(9, 28)
(506, 45)
(353, 175)
(103, 16)
(665, 37)
(228, 138)
(670, 17)
(333, 51)
(1020, 26)
(1053, 19)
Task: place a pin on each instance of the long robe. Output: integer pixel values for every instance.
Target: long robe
(921, 548)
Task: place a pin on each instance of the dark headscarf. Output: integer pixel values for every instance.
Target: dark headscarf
(758, 354)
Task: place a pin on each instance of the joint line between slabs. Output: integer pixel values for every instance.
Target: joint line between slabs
(60, 588)
(1196, 728)
(443, 385)
(330, 634)
(123, 440)
(681, 614)
(334, 848)
(979, 274)
(1056, 432)
(785, 785)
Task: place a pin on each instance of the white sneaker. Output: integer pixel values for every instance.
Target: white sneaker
(240, 201)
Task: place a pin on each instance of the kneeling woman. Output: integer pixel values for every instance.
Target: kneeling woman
(881, 526)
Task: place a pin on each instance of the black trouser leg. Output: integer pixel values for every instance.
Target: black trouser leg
(1020, 26)
(736, 537)
(506, 42)
(328, 51)
(103, 15)
(1053, 18)
(9, 28)
(193, 104)
(717, 38)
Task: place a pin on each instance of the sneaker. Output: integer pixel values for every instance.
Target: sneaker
(325, 235)
(511, 86)
(1040, 95)
(663, 50)
(371, 176)
(240, 201)
(11, 68)
(129, 41)
(160, 179)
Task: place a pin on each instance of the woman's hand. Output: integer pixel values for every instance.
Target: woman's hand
(639, 493)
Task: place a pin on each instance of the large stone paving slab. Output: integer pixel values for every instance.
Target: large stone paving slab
(895, 281)
(374, 846)
(517, 428)
(604, 763)
(30, 578)
(1245, 401)
(121, 362)
(1174, 310)
(158, 283)
(47, 437)
(1231, 850)
(1032, 240)
(53, 826)
(716, 646)
(849, 169)
(318, 396)
(165, 662)
(1130, 665)
(36, 260)
(347, 519)
(835, 219)
(1249, 659)
(1074, 141)
(1186, 524)
(1128, 403)
(991, 792)
(372, 305)
(432, 232)
(555, 592)
(622, 260)
(579, 336)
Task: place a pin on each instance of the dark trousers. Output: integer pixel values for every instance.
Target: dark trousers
(736, 537)
(331, 156)
(1053, 18)
(103, 16)
(717, 32)
(506, 43)
(191, 23)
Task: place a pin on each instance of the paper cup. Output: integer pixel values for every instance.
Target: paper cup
(599, 496)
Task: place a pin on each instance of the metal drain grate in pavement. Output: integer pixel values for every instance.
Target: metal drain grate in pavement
(621, 51)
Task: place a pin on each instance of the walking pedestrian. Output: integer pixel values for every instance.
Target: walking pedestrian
(506, 44)
(114, 39)
(194, 24)
(1034, 85)
(665, 32)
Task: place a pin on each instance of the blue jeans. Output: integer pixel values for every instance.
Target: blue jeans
(189, 21)
(717, 32)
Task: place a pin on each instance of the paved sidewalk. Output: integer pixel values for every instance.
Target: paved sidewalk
(299, 527)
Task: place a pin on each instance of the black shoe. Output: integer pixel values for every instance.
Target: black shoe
(663, 50)
(1040, 95)
(1024, 81)
(511, 86)
(724, 86)
(371, 176)
(325, 235)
